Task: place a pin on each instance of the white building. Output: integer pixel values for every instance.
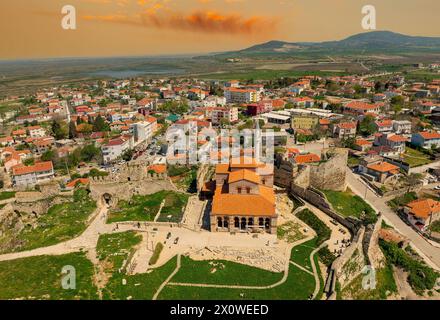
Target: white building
(115, 148)
(23, 177)
(234, 95)
(229, 114)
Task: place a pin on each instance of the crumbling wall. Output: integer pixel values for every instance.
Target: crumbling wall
(331, 173)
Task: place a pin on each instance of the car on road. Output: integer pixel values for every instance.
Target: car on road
(176, 240)
(168, 235)
(437, 188)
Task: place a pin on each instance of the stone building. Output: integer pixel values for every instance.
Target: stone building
(244, 199)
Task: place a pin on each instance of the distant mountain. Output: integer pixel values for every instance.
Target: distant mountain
(374, 41)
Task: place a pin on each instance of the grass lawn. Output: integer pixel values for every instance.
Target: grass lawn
(140, 286)
(40, 278)
(7, 195)
(415, 158)
(115, 248)
(298, 286)
(348, 204)
(223, 272)
(263, 74)
(145, 208)
(385, 283)
(290, 232)
(62, 222)
(301, 254)
(173, 208)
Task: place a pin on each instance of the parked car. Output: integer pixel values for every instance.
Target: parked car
(176, 241)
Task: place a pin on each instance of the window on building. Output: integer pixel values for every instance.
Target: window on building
(248, 190)
(238, 190)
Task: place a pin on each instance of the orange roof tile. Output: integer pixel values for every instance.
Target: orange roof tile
(383, 167)
(423, 208)
(262, 204)
(307, 158)
(243, 175)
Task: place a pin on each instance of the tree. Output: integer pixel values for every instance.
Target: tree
(89, 153)
(128, 155)
(367, 126)
(58, 130)
(49, 155)
(413, 179)
(2, 184)
(100, 125)
(72, 130)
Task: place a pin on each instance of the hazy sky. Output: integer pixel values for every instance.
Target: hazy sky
(32, 28)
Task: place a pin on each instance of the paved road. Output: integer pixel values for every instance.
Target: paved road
(379, 204)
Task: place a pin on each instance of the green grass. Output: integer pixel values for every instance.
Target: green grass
(145, 208)
(348, 204)
(435, 226)
(402, 200)
(62, 222)
(7, 195)
(298, 286)
(415, 158)
(267, 74)
(116, 248)
(421, 277)
(223, 272)
(140, 286)
(290, 232)
(385, 284)
(156, 254)
(173, 208)
(316, 224)
(40, 278)
(301, 254)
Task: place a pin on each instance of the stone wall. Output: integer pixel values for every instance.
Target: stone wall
(372, 249)
(330, 174)
(350, 264)
(318, 200)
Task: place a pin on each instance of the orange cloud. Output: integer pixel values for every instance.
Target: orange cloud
(198, 21)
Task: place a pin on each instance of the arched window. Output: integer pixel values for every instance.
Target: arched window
(219, 222)
(237, 222)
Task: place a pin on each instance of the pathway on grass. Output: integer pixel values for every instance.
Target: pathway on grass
(159, 290)
(315, 271)
(86, 241)
(278, 283)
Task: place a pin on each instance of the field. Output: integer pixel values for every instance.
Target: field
(115, 248)
(347, 204)
(145, 208)
(385, 285)
(415, 158)
(40, 278)
(224, 272)
(62, 222)
(299, 284)
(7, 195)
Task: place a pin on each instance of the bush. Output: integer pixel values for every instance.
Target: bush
(156, 254)
(326, 256)
(420, 277)
(313, 222)
(2, 184)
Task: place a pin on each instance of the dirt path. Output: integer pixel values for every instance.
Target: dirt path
(280, 282)
(159, 290)
(86, 241)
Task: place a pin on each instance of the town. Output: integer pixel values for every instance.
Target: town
(88, 179)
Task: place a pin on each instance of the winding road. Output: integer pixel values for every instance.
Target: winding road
(430, 252)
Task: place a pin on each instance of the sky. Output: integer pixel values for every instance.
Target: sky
(32, 28)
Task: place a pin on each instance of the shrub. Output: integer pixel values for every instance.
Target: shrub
(313, 222)
(156, 254)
